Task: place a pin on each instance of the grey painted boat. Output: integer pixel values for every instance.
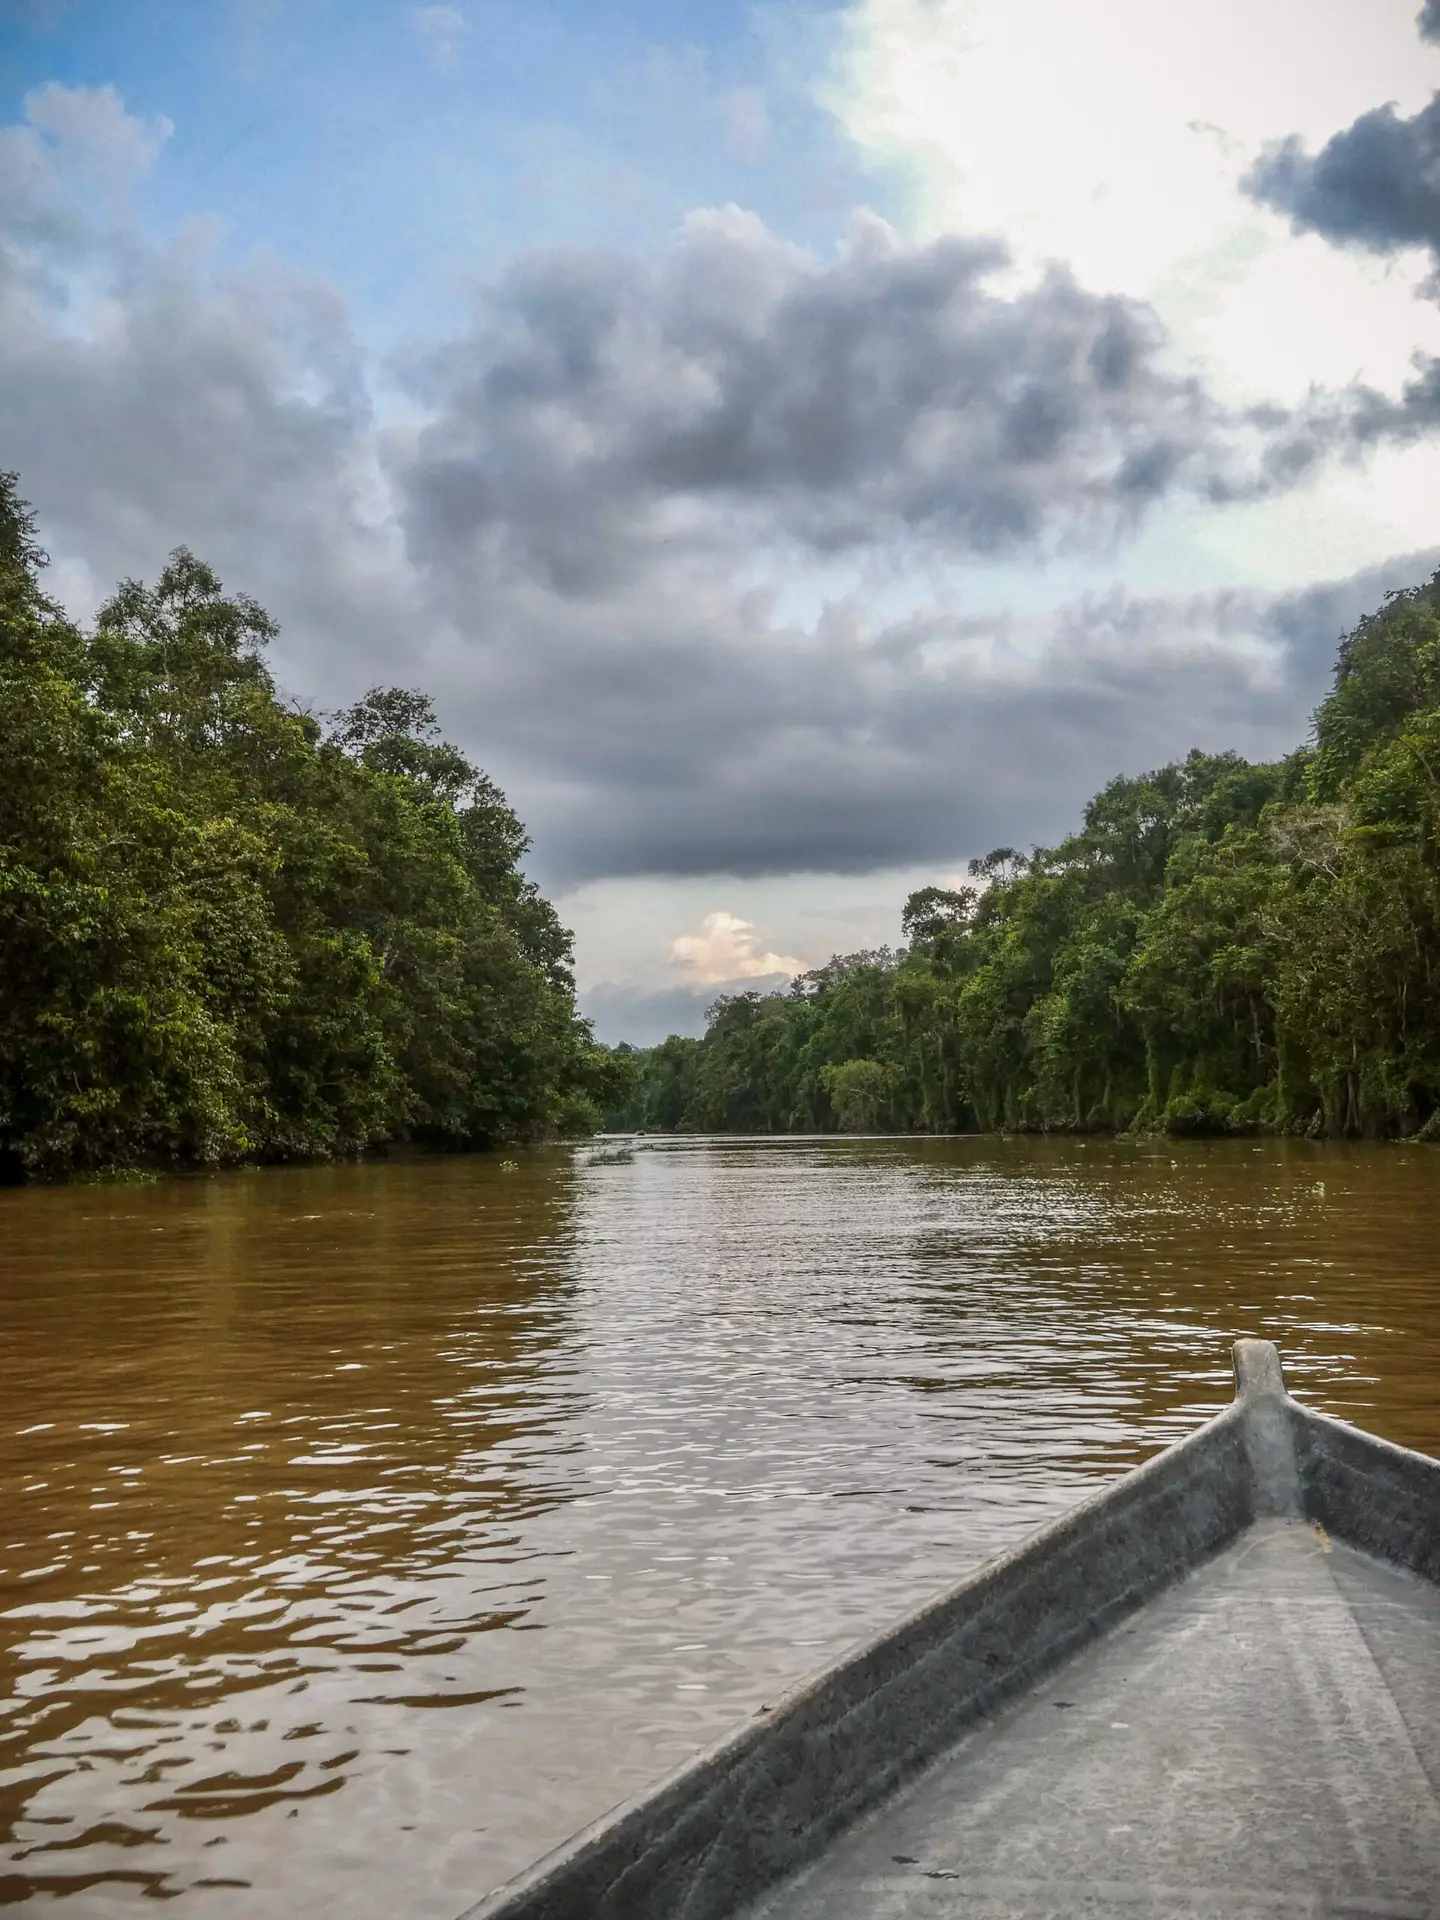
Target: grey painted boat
(1211, 1689)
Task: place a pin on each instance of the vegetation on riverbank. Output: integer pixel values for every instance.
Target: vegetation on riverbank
(1220, 947)
(230, 931)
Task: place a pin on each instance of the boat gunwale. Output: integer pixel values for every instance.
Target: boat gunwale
(1374, 1494)
(1257, 1435)
(813, 1690)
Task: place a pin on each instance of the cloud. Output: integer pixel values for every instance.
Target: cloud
(89, 129)
(441, 31)
(150, 396)
(630, 469)
(642, 527)
(848, 748)
(645, 1016)
(1375, 185)
(73, 143)
(1428, 20)
(603, 410)
(1121, 153)
(726, 948)
(601, 402)
(1116, 150)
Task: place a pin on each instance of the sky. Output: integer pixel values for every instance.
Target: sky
(799, 447)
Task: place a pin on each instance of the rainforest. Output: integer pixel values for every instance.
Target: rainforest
(233, 930)
(1221, 947)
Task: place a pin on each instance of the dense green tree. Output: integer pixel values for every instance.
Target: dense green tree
(226, 932)
(1220, 946)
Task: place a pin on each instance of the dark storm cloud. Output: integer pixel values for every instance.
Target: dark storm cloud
(1374, 185)
(1429, 20)
(1403, 421)
(890, 391)
(635, 545)
(845, 752)
(620, 457)
(600, 404)
(1348, 424)
(605, 415)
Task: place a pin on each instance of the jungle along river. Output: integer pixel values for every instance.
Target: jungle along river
(366, 1529)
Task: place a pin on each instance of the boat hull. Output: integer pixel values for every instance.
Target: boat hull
(724, 1834)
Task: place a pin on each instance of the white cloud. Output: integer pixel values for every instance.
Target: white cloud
(91, 135)
(727, 948)
(580, 546)
(579, 553)
(1113, 134)
(624, 927)
(1109, 132)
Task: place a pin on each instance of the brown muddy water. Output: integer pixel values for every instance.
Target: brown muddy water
(365, 1530)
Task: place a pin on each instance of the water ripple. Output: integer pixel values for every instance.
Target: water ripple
(367, 1529)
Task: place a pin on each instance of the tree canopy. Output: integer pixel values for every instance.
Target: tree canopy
(230, 929)
(1219, 947)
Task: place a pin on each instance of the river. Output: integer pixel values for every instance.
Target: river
(366, 1529)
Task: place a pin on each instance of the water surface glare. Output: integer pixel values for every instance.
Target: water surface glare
(364, 1530)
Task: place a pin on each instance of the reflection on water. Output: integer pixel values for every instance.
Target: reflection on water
(365, 1530)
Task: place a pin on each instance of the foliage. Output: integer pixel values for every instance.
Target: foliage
(1220, 947)
(229, 931)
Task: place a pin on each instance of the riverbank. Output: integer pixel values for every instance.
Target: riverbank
(1219, 947)
(234, 931)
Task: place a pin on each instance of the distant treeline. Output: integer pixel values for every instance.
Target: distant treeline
(1222, 947)
(229, 931)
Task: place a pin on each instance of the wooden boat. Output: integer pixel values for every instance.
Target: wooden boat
(1213, 1689)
